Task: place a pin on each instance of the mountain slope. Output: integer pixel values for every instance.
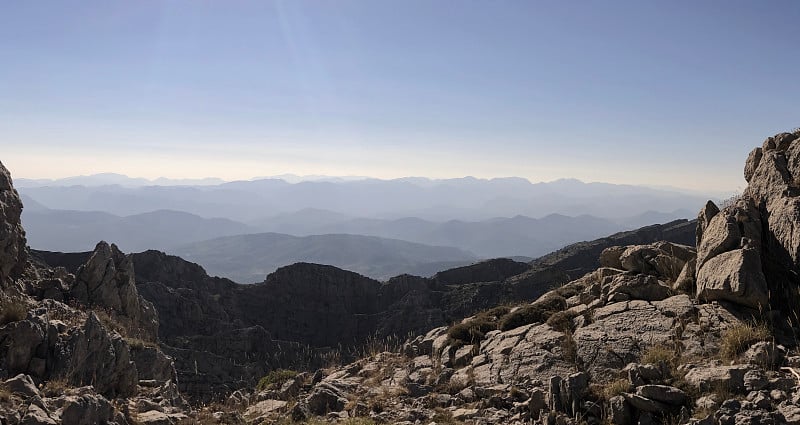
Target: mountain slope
(496, 237)
(248, 258)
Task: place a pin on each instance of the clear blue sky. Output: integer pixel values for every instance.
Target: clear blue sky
(644, 92)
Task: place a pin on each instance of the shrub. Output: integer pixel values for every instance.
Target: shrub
(737, 339)
(538, 312)
(476, 328)
(561, 321)
(472, 330)
(568, 291)
(552, 302)
(12, 310)
(275, 379)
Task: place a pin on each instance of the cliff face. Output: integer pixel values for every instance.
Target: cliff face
(13, 249)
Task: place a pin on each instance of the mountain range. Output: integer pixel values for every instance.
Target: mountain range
(466, 199)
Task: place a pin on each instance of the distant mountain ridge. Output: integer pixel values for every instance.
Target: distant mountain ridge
(466, 199)
(69, 231)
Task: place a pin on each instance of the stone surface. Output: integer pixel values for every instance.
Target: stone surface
(13, 249)
(22, 385)
(734, 276)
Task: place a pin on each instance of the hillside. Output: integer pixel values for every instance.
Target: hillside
(249, 258)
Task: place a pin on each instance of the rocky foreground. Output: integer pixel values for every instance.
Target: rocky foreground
(651, 332)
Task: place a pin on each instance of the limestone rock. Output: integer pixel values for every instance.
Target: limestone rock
(22, 385)
(13, 249)
(86, 410)
(707, 378)
(108, 280)
(722, 235)
(753, 159)
(610, 257)
(734, 276)
(326, 398)
(662, 393)
(704, 219)
(102, 359)
(36, 415)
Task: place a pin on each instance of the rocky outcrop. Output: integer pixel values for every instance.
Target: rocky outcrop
(102, 359)
(107, 280)
(66, 341)
(750, 250)
(308, 308)
(13, 249)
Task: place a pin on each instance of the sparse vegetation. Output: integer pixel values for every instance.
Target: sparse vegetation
(139, 344)
(658, 354)
(275, 379)
(505, 318)
(737, 339)
(612, 389)
(55, 387)
(569, 349)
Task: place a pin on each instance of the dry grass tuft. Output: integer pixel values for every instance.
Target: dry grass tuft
(657, 354)
(612, 389)
(737, 339)
(55, 387)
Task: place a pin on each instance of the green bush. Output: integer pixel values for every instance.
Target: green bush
(275, 379)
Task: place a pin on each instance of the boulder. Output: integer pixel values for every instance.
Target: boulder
(326, 398)
(710, 378)
(635, 287)
(22, 385)
(19, 343)
(734, 276)
(36, 415)
(662, 393)
(721, 235)
(610, 257)
(86, 410)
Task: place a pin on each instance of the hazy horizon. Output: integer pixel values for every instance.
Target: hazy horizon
(658, 94)
(295, 178)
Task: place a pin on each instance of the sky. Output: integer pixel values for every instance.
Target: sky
(672, 93)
